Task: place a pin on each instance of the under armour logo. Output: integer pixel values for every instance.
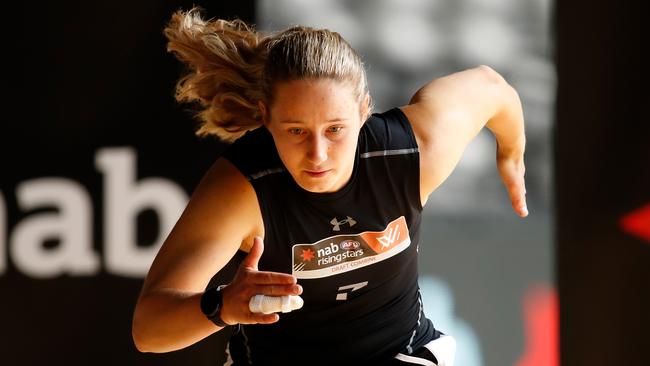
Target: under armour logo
(344, 295)
(337, 224)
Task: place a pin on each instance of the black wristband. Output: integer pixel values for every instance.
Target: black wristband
(211, 304)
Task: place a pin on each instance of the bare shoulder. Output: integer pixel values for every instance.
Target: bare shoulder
(446, 114)
(221, 216)
(460, 95)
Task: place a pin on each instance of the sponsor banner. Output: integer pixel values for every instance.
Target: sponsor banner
(343, 253)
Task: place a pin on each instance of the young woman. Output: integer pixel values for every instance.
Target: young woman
(324, 196)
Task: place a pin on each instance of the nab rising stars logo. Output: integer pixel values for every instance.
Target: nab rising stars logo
(337, 224)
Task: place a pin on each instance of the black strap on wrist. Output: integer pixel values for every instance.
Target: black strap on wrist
(216, 316)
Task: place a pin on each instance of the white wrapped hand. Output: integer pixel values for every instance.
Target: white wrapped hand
(273, 304)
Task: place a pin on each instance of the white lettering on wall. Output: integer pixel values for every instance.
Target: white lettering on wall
(72, 225)
(69, 221)
(124, 198)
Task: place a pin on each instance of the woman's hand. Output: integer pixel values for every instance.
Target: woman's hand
(249, 282)
(511, 167)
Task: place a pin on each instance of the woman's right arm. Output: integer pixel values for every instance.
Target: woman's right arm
(222, 215)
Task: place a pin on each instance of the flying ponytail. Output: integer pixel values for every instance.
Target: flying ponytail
(225, 60)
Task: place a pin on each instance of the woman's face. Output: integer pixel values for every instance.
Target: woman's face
(315, 124)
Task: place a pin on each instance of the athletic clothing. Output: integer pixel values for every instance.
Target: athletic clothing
(354, 252)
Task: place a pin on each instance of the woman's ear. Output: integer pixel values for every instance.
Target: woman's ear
(264, 112)
(365, 108)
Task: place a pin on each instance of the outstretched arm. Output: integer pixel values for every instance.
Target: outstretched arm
(447, 113)
(223, 215)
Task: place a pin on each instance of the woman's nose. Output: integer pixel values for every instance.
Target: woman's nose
(317, 150)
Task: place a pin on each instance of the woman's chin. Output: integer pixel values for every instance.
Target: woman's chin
(317, 185)
(314, 187)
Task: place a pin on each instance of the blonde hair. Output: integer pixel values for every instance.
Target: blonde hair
(231, 67)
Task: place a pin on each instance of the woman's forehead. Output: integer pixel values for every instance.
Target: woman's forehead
(306, 97)
(313, 85)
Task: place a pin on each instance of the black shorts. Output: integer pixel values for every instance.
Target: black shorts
(432, 347)
(440, 351)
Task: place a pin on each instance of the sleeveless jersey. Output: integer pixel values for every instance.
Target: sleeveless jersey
(354, 252)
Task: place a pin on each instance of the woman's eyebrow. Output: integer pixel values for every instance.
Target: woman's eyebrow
(299, 121)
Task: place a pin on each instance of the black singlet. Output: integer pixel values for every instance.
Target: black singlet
(353, 251)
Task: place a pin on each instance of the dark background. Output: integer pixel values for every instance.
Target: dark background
(96, 75)
(602, 161)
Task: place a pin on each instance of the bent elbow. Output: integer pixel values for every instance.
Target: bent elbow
(493, 78)
(490, 74)
(141, 338)
(138, 340)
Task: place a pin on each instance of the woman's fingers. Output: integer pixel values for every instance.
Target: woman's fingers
(512, 173)
(518, 199)
(249, 282)
(259, 318)
(270, 278)
(278, 290)
(254, 255)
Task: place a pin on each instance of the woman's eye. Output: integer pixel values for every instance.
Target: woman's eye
(295, 131)
(335, 129)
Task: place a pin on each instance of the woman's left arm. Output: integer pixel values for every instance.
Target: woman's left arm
(447, 113)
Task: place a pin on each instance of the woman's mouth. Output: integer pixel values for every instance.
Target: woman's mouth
(316, 173)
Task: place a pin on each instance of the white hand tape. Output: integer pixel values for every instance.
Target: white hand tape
(286, 304)
(274, 304)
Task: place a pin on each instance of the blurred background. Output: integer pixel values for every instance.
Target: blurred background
(98, 161)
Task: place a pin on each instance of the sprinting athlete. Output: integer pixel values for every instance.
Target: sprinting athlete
(323, 195)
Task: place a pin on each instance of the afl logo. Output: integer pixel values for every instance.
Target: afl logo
(350, 245)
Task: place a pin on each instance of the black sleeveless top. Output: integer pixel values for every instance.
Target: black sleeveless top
(354, 252)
